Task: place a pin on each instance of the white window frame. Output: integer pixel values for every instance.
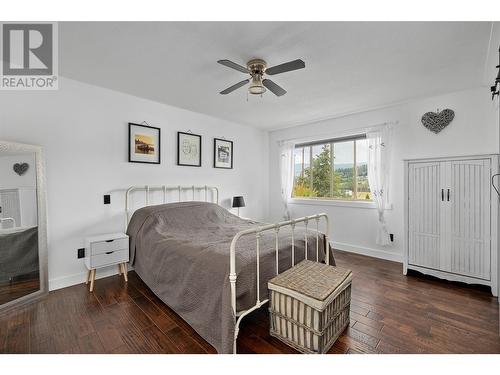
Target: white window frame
(360, 203)
(333, 202)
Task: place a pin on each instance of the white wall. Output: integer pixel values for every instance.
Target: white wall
(473, 131)
(84, 131)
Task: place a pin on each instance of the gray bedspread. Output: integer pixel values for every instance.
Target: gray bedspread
(18, 253)
(181, 251)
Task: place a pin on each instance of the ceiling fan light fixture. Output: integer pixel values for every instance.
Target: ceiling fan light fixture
(256, 87)
(257, 68)
(256, 90)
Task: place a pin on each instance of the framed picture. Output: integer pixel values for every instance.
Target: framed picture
(143, 144)
(223, 153)
(188, 149)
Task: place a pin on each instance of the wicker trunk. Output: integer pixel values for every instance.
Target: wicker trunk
(309, 305)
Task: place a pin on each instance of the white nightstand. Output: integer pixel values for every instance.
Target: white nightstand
(106, 250)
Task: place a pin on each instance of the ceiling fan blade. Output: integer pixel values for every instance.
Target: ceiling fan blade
(234, 87)
(273, 87)
(286, 67)
(233, 65)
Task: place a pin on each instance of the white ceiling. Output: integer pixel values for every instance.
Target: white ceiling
(350, 66)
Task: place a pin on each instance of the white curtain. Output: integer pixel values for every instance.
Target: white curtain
(379, 164)
(286, 172)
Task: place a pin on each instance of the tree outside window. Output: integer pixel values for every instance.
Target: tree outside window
(334, 169)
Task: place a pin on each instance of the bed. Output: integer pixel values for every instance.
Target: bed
(211, 267)
(18, 252)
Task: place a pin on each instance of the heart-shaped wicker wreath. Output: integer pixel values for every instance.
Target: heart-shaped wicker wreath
(21, 169)
(437, 121)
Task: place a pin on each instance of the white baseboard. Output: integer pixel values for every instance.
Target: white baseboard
(374, 253)
(79, 278)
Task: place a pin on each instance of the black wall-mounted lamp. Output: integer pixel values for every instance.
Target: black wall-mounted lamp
(238, 202)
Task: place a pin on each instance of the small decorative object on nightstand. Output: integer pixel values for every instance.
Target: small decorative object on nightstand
(238, 202)
(106, 250)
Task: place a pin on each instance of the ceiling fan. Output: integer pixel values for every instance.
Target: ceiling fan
(257, 68)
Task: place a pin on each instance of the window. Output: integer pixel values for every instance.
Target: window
(332, 169)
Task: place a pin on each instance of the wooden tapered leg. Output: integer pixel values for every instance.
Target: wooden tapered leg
(124, 265)
(88, 276)
(92, 280)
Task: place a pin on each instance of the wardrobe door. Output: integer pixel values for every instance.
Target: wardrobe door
(424, 221)
(470, 218)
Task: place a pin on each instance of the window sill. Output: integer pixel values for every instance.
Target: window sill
(338, 203)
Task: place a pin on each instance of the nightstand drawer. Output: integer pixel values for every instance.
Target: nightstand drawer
(102, 247)
(109, 258)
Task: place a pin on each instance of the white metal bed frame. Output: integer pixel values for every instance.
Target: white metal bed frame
(257, 232)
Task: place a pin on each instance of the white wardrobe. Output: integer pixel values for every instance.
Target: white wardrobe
(451, 213)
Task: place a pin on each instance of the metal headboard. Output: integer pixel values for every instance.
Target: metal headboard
(214, 195)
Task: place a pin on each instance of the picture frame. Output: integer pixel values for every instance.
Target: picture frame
(144, 144)
(188, 149)
(223, 153)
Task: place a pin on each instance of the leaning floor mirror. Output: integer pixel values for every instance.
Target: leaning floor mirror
(23, 225)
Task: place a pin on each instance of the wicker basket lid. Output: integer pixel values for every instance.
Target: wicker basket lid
(315, 280)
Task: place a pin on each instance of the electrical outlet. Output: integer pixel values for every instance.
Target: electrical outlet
(107, 199)
(81, 253)
(391, 236)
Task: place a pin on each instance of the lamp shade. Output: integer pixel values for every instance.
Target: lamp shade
(238, 202)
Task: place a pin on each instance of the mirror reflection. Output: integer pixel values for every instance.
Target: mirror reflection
(19, 265)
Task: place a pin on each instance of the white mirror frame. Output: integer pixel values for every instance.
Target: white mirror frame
(41, 195)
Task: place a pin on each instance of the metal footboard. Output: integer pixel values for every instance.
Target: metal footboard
(257, 232)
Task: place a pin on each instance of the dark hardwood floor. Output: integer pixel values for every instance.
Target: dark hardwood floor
(390, 313)
(19, 287)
